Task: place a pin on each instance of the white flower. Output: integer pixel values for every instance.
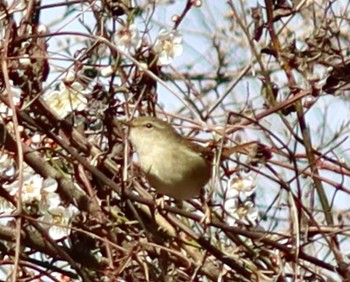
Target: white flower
(127, 39)
(107, 71)
(36, 138)
(7, 166)
(245, 213)
(67, 99)
(5, 111)
(57, 219)
(167, 46)
(6, 208)
(42, 29)
(241, 187)
(25, 60)
(49, 198)
(34, 188)
(30, 190)
(70, 76)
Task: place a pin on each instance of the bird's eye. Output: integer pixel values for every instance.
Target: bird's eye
(149, 125)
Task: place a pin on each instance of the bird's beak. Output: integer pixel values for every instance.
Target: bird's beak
(126, 122)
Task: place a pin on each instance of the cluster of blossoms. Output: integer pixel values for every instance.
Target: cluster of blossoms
(237, 204)
(39, 193)
(69, 97)
(167, 45)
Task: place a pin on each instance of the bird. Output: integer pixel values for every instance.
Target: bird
(173, 165)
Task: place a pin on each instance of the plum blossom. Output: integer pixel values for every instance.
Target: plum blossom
(67, 99)
(244, 213)
(7, 166)
(5, 111)
(241, 186)
(49, 198)
(167, 46)
(31, 188)
(127, 39)
(6, 208)
(237, 204)
(57, 220)
(35, 189)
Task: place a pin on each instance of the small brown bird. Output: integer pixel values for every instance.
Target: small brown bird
(173, 165)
